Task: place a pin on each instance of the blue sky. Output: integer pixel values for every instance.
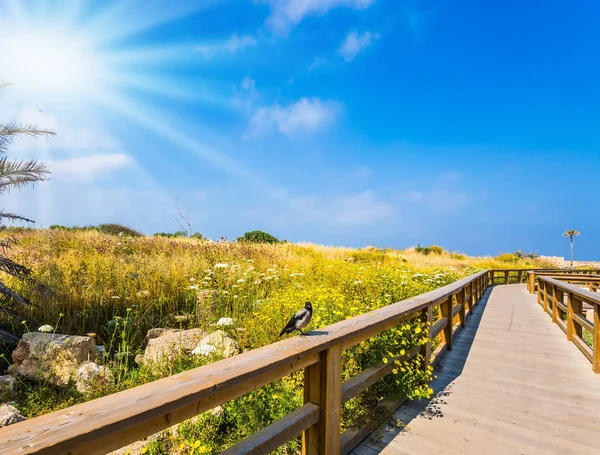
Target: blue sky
(467, 124)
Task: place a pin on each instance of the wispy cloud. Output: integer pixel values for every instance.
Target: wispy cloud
(89, 168)
(307, 114)
(355, 43)
(317, 62)
(286, 14)
(356, 209)
(231, 46)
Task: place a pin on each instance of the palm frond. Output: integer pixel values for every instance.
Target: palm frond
(21, 173)
(10, 295)
(7, 243)
(9, 266)
(12, 217)
(10, 131)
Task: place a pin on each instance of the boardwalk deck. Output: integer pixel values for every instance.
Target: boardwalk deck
(512, 384)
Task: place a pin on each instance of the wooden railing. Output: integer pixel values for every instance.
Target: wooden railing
(520, 275)
(582, 277)
(569, 315)
(111, 422)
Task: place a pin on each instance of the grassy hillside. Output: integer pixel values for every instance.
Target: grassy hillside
(118, 287)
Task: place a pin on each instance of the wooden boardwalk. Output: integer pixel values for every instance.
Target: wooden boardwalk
(512, 384)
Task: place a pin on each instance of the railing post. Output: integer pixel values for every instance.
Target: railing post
(570, 322)
(531, 282)
(471, 297)
(596, 341)
(520, 276)
(557, 296)
(427, 317)
(546, 289)
(541, 285)
(506, 276)
(462, 314)
(492, 277)
(323, 387)
(447, 313)
(577, 305)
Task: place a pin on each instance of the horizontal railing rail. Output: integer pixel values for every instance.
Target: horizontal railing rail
(569, 315)
(113, 421)
(588, 279)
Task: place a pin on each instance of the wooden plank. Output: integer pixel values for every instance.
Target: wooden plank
(278, 433)
(583, 322)
(437, 328)
(583, 347)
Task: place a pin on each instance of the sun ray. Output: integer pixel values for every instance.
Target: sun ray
(109, 27)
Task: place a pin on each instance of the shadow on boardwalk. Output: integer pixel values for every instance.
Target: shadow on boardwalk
(450, 368)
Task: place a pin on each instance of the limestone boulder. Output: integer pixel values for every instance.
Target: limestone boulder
(52, 357)
(225, 345)
(91, 375)
(9, 415)
(171, 343)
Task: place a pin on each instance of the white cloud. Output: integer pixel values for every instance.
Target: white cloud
(88, 168)
(308, 114)
(285, 14)
(355, 43)
(357, 209)
(317, 62)
(232, 46)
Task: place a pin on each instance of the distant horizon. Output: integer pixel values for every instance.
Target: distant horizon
(471, 125)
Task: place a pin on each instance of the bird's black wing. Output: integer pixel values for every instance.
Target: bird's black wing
(291, 325)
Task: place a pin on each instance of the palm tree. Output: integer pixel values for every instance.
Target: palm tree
(571, 233)
(15, 174)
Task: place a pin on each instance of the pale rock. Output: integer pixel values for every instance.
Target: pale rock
(225, 345)
(171, 343)
(52, 357)
(9, 415)
(91, 375)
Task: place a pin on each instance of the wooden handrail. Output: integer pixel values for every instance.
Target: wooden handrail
(551, 296)
(585, 278)
(110, 422)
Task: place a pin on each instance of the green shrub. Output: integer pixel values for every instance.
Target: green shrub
(258, 237)
(426, 250)
(116, 229)
(508, 257)
(173, 235)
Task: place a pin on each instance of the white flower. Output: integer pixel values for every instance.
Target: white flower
(46, 328)
(204, 349)
(115, 297)
(234, 286)
(226, 321)
(357, 282)
(249, 260)
(404, 283)
(192, 279)
(221, 266)
(235, 296)
(417, 275)
(270, 270)
(241, 280)
(194, 287)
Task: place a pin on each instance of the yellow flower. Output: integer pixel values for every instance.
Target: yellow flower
(385, 360)
(275, 396)
(418, 330)
(402, 352)
(145, 449)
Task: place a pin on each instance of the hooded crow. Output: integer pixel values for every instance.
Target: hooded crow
(300, 320)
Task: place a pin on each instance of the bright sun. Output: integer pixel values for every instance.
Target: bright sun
(49, 62)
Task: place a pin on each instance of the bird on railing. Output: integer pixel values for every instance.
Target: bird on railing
(300, 320)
